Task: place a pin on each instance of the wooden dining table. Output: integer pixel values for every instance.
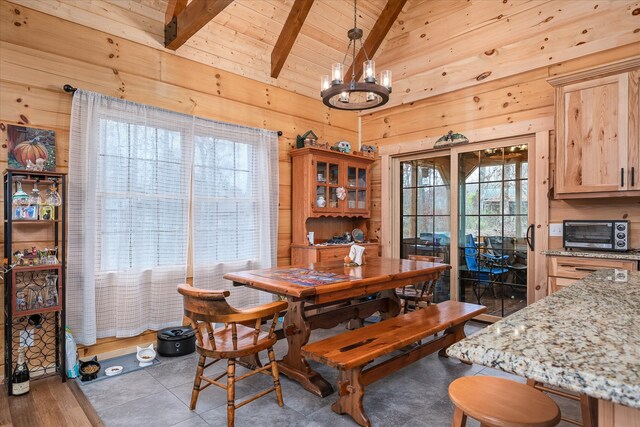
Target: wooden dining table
(324, 295)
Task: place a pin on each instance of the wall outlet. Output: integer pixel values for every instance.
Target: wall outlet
(555, 230)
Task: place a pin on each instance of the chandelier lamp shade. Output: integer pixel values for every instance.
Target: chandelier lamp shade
(354, 95)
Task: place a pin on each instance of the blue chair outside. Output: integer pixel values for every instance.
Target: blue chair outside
(486, 270)
(500, 246)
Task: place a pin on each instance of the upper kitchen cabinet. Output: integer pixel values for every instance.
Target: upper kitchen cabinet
(597, 132)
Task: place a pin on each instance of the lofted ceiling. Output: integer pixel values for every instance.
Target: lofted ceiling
(433, 47)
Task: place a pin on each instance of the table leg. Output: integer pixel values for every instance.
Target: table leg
(394, 306)
(293, 364)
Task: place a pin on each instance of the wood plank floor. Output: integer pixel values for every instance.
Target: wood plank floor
(49, 403)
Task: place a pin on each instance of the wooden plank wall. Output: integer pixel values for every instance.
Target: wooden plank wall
(239, 39)
(39, 53)
(517, 99)
(443, 45)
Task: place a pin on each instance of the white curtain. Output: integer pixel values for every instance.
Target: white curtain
(235, 205)
(129, 196)
(136, 174)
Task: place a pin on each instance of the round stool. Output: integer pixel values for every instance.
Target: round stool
(498, 402)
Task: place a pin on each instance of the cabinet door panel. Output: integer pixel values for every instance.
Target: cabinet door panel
(358, 188)
(327, 179)
(634, 130)
(592, 149)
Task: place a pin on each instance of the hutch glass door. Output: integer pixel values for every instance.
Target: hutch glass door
(327, 182)
(356, 188)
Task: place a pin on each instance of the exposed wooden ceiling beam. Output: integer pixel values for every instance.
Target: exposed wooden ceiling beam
(292, 26)
(376, 36)
(174, 7)
(188, 21)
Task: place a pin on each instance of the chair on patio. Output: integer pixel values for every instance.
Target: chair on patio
(235, 340)
(504, 247)
(485, 269)
(420, 294)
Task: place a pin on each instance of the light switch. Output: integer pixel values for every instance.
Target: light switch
(555, 230)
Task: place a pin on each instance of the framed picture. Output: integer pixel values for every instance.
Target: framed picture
(47, 212)
(28, 212)
(31, 148)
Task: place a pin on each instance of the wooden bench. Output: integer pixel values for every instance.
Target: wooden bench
(351, 351)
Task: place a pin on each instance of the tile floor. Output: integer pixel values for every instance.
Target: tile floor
(159, 396)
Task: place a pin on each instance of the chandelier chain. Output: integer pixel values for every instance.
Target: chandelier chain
(355, 13)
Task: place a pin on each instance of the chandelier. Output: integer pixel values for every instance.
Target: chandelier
(355, 95)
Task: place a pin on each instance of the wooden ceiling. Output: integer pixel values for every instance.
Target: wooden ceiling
(433, 47)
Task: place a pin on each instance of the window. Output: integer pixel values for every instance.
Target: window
(139, 177)
(141, 200)
(235, 205)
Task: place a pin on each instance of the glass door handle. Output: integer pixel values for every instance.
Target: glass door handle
(531, 237)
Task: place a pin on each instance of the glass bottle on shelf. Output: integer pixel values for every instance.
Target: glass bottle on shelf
(20, 197)
(51, 290)
(20, 377)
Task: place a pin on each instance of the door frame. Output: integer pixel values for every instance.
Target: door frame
(538, 131)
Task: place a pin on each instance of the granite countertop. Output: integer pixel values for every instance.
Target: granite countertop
(584, 338)
(632, 256)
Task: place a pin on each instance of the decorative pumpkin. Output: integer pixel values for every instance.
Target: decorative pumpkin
(30, 150)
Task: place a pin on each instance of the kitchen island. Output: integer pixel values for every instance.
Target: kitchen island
(584, 338)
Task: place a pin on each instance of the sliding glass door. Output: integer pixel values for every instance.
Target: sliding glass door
(426, 213)
(493, 218)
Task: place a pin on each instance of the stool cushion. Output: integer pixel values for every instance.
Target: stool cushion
(503, 403)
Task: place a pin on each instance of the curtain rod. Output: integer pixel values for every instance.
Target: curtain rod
(70, 89)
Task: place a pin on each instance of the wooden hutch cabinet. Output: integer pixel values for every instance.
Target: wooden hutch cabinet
(597, 132)
(331, 196)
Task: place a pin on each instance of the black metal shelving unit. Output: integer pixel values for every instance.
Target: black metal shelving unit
(44, 340)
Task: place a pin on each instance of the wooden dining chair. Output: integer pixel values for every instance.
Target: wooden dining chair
(241, 336)
(420, 294)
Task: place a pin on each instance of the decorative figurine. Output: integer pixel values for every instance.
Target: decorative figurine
(306, 140)
(37, 166)
(18, 257)
(343, 146)
(368, 150)
(451, 139)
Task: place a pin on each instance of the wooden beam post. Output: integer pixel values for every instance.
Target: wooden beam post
(188, 21)
(174, 8)
(376, 36)
(288, 35)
